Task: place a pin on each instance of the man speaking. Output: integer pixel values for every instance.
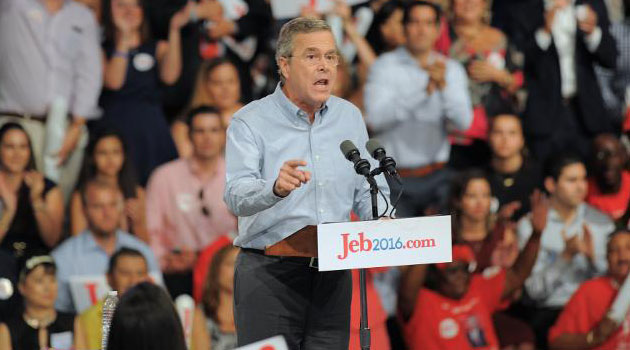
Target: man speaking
(285, 171)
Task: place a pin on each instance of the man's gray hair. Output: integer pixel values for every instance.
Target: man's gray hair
(300, 25)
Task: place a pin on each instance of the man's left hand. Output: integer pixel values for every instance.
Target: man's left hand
(70, 141)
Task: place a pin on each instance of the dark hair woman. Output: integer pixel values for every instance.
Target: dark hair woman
(145, 319)
(32, 206)
(106, 160)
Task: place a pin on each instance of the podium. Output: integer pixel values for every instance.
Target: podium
(301, 243)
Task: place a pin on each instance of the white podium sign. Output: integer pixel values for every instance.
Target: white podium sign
(275, 343)
(365, 244)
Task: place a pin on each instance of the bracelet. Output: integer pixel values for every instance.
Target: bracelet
(120, 54)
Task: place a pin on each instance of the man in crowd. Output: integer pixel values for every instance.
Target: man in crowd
(127, 267)
(185, 208)
(411, 94)
(574, 242)
(284, 172)
(50, 57)
(583, 323)
(88, 253)
(512, 176)
(609, 187)
(454, 310)
(565, 107)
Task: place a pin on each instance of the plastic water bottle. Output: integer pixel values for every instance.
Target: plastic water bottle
(109, 306)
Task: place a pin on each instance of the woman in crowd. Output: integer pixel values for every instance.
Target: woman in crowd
(217, 85)
(492, 240)
(494, 76)
(386, 32)
(145, 318)
(106, 160)
(214, 320)
(32, 206)
(135, 65)
(493, 243)
(40, 326)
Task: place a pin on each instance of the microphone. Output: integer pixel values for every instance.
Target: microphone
(350, 151)
(378, 152)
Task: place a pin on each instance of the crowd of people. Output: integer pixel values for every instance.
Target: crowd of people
(513, 116)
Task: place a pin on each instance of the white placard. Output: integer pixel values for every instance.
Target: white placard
(275, 343)
(365, 244)
(88, 290)
(285, 9)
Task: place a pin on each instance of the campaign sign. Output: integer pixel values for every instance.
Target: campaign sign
(365, 244)
(275, 343)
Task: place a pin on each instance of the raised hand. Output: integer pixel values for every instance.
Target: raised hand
(587, 22)
(586, 244)
(540, 209)
(290, 177)
(181, 17)
(35, 183)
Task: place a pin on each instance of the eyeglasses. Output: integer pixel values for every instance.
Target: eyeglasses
(313, 59)
(205, 211)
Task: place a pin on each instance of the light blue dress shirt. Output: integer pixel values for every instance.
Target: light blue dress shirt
(266, 133)
(411, 124)
(554, 280)
(81, 255)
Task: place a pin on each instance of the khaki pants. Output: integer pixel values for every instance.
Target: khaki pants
(36, 130)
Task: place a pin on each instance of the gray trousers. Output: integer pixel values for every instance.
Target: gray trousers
(284, 296)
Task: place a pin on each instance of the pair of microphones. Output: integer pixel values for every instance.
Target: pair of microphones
(376, 150)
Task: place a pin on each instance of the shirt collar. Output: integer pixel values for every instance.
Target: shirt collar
(579, 214)
(290, 108)
(90, 243)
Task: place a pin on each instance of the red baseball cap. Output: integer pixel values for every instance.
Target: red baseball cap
(461, 253)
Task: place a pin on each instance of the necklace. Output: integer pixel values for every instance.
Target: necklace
(37, 323)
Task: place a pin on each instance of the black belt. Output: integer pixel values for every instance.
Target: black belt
(311, 262)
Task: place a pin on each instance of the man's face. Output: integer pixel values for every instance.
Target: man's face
(506, 137)
(619, 256)
(129, 271)
(571, 187)
(103, 209)
(609, 162)
(207, 135)
(421, 30)
(309, 76)
(455, 279)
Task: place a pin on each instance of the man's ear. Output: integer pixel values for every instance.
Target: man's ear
(550, 184)
(283, 63)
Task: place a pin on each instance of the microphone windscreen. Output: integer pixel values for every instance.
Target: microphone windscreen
(372, 145)
(347, 147)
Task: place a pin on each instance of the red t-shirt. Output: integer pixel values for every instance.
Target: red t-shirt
(587, 308)
(615, 204)
(439, 322)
